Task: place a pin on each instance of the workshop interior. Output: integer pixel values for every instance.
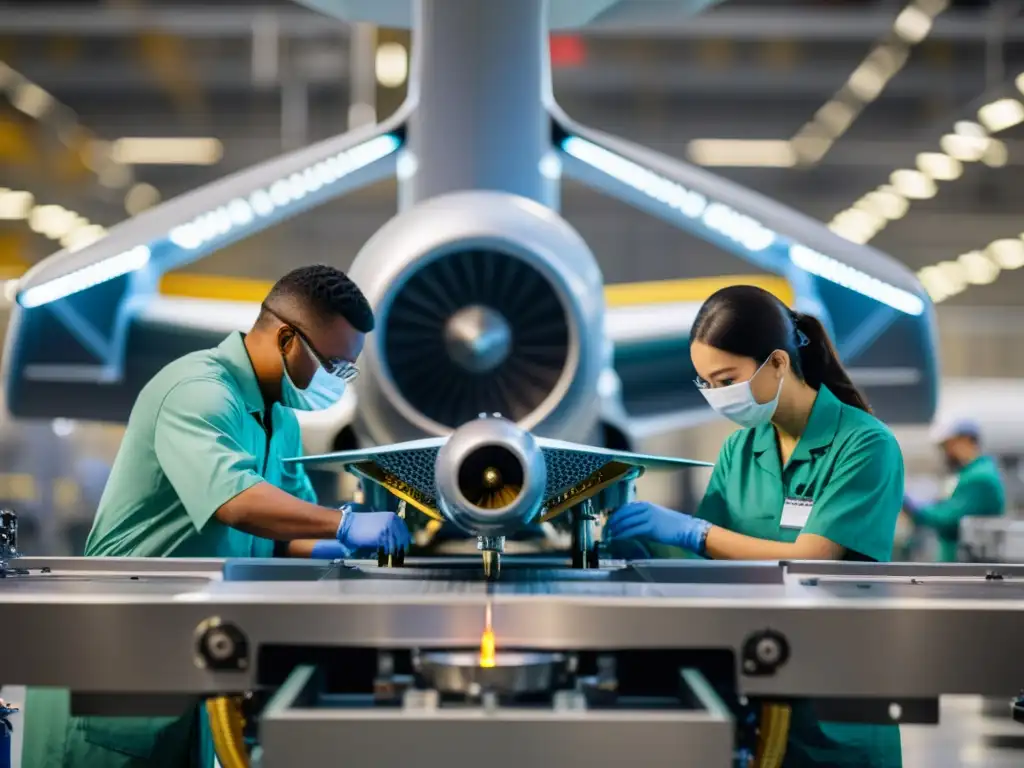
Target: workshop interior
(535, 197)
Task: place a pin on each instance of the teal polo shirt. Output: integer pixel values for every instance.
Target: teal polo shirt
(979, 492)
(847, 465)
(195, 440)
(849, 468)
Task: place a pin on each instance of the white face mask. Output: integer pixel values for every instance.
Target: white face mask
(324, 389)
(736, 402)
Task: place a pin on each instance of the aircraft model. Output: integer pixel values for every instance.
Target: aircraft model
(487, 300)
(491, 479)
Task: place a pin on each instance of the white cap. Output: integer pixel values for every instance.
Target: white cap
(949, 428)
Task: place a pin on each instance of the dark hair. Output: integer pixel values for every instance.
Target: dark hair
(748, 321)
(320, 293)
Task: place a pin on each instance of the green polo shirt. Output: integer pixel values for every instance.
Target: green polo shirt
(195, 440)
(979, 492)
(849, 467)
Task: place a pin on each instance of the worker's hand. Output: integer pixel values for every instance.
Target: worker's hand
(330, 550)
(643, 520)
(911, 505)
(373, 531)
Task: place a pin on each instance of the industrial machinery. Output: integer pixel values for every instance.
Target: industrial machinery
(992, 540)
(659, 663)
(491, 479)
(487, 300)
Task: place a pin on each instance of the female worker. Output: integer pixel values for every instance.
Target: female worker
(812, 475)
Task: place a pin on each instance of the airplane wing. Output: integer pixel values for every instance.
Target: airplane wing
(419, 455)
(558, 452)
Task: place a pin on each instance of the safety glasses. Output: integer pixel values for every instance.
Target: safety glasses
(345, 370)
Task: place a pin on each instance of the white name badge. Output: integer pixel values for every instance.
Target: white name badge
(795, 513)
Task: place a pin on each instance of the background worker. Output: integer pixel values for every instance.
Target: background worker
(201, 473)
(812, 475)
(979, 490)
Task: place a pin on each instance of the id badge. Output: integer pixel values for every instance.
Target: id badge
(795, 513)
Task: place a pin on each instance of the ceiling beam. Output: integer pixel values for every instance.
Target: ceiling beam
(645, 19)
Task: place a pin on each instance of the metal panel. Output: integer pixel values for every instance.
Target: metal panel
(294, 733)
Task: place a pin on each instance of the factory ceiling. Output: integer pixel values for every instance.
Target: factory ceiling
(260, 77)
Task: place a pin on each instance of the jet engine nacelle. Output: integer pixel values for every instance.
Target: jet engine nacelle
(490, 478)
(486, 303)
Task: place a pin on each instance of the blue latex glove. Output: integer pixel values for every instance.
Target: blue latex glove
(330, 550)
(373, 531)
(643, 520)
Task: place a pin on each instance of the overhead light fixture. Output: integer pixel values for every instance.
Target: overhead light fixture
(742, 153)
(167, 151)
(886, 203)
(1007, 253)
(867, 81)
(996, 154)
(31, 99)
(392, 64)
(15, 205)
(965, 148)
(1001, 114)
(140, 197)
(940, 283)
(978, 268)
(969, 128)
(836, 116)
(80, 237)
(913, 184)
(939, 166)
(913, 24)
(53, 221)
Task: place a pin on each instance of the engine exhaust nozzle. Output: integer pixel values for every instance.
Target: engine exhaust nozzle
(490, 477)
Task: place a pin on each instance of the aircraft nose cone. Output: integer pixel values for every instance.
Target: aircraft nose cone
(478, 338)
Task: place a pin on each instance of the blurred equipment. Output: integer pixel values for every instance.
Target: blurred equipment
(8, 539)
(674, 663)
(487, 300)
(491, 479)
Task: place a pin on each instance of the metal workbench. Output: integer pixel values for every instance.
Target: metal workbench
(862, 641)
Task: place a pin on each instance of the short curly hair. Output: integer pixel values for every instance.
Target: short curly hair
(322, 293)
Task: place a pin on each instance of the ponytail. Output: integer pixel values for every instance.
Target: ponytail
(819, 362)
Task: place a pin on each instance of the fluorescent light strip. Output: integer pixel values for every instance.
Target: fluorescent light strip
(86, 277)
(738, 227)
(720, 218)
(219, 222)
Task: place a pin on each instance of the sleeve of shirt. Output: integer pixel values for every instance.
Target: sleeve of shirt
(713, 507)
(970, 497)
(859, 506)
(294, 479)
(196, 442)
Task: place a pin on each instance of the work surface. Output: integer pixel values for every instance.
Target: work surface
(852, 629)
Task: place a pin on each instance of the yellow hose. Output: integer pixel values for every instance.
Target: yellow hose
(227, 725)
(773, 735)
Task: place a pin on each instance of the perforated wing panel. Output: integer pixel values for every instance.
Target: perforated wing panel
(564, 468)
(567, 468)
(415, 468)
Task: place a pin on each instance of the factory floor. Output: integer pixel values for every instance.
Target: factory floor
(965, 737)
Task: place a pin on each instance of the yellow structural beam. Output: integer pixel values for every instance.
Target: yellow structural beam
(221, 288)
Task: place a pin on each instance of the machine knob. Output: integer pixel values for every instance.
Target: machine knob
(221, 646)
(764, 652)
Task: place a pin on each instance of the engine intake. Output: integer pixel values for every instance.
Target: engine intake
(487, 332)
(486, 303)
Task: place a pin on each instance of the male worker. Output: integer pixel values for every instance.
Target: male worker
(200, 473)
(979, 489)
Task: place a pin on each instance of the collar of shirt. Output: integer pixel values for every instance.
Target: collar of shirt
(232, 354)
(819, 433)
